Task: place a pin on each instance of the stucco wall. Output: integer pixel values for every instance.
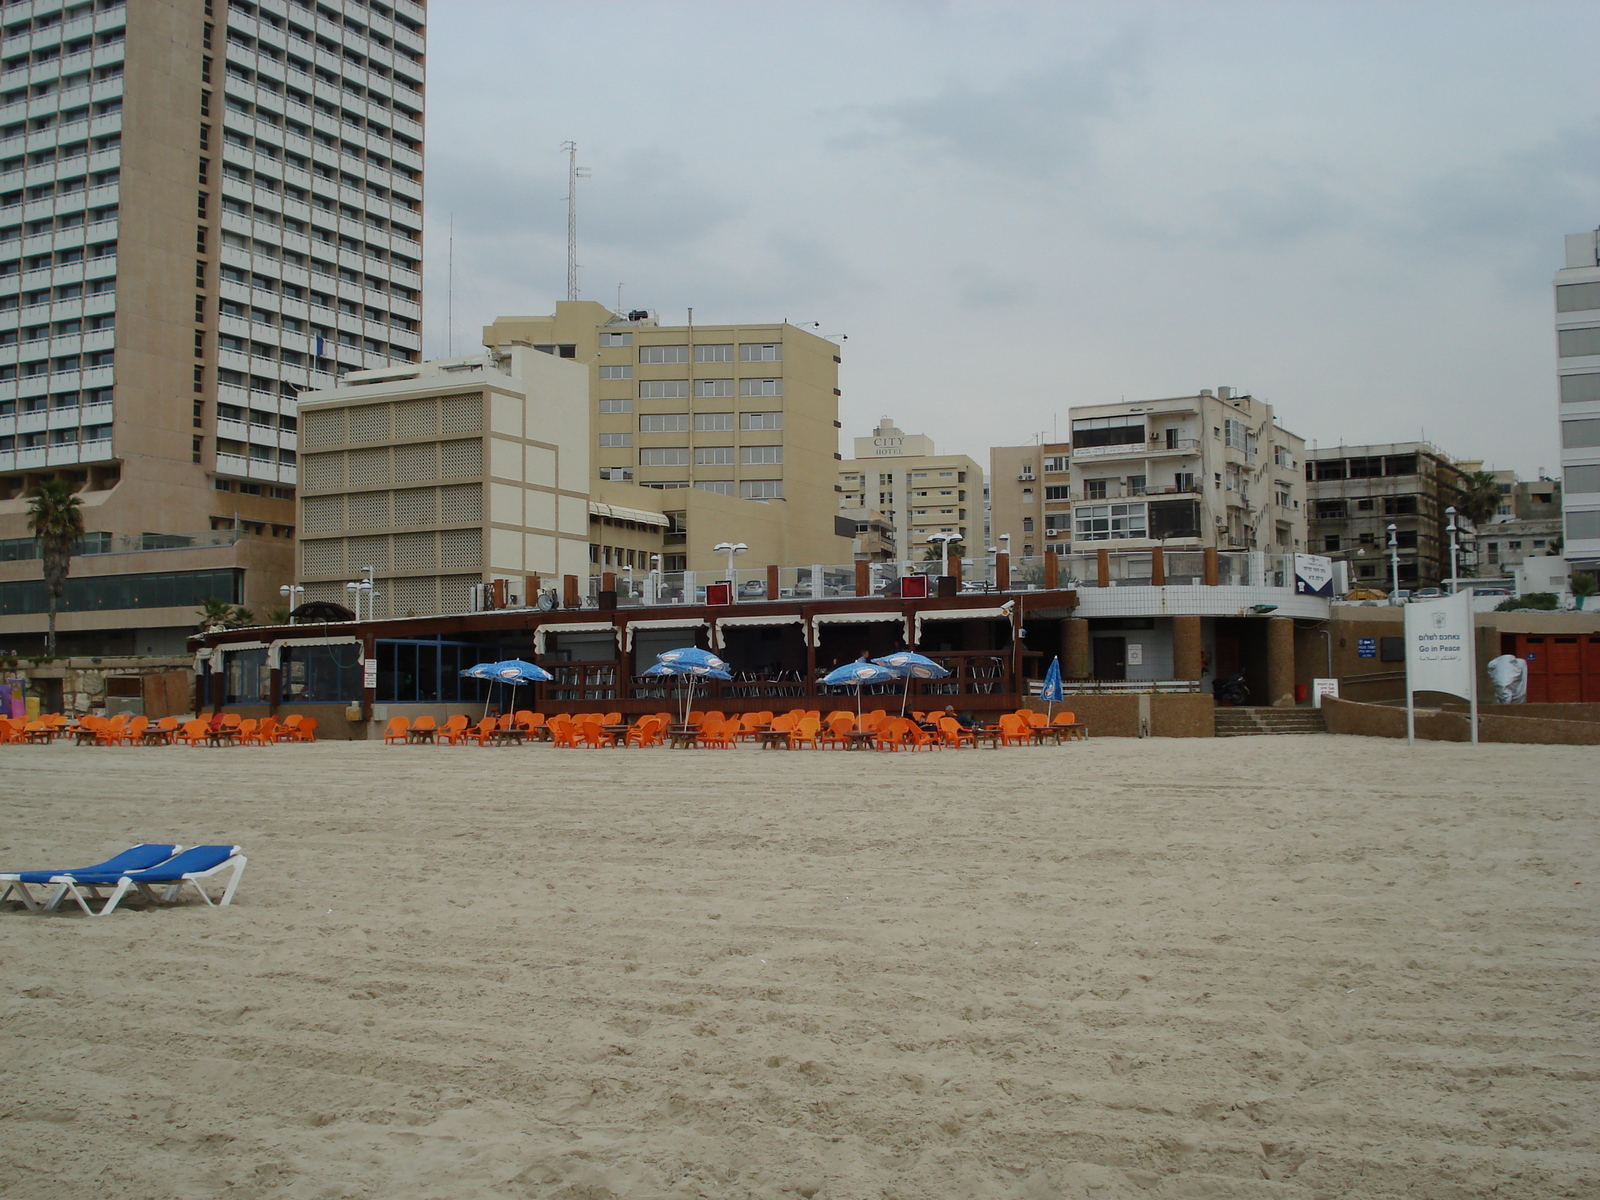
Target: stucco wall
(1382, 720)
(1117, 714)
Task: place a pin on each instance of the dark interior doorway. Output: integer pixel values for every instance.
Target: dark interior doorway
(1110, 658)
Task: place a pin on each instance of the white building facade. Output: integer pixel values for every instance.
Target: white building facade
(1578, 379)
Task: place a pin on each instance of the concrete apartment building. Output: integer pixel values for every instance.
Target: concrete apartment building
(1030, 497)
(746, 411)
(1190, 472)
(206, 208)
(1357, 492)
(1578, 381)
(1527, 524)
(915, 490)
(444, 475)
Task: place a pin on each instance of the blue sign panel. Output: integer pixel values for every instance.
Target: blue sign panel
(1366, 647)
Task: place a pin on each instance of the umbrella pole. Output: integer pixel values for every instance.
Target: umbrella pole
(904, 696)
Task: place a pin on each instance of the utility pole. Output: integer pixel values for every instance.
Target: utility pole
(574, 173)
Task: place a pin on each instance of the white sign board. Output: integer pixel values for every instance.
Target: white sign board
(369, 673)
(1440, 656)
(1135, 654)
(1321, 688)
(1313, 575)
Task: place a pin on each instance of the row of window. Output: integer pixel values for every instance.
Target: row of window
(50, 20)
(64, 83)
(69, 328)
(261, 316)
(1578, 343)
(678, 456)
(33, 404)
(256, 416)
(750, 352)
(60, 50)
(265, 283)
(58, 258)
(268, 149)
(1577, 297)
(62, 153)
(1580, 389)
(321, 233)
(295, 63)
(178, 589)
(39, 439)
(60, 365)
(256, 246)
(60, 187)
(25, 549)
(256, 452)
(723, 422)
(67, 116)
(707, 389)
(343, 49)
(59, 223)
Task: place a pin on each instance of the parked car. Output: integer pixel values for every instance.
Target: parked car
(1491, 591)
(1427, 594)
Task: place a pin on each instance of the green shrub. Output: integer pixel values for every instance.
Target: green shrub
(1543, 601)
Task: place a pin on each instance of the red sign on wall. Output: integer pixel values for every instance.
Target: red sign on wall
(914, 587)
(719, 593)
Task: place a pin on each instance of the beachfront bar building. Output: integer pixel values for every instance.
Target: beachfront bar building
(1115, 623)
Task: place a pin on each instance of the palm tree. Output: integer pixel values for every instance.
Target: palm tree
(215, 614)
(1480, 497)
(55, 518)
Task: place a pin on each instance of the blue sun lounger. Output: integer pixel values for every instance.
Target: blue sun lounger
(193, 865)
(136, 858)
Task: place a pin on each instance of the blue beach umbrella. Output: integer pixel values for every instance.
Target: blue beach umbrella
(909, 665)
(515, 670)
(1050, 690)
(691, 656)
(691, 663)
(859, 673)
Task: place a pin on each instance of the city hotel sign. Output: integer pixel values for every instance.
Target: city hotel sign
(885, 447)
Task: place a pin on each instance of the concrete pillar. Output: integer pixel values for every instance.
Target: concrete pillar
(1280, 662)
(1052, 570)
(1212, 575)
(1075, 648)
(863, 577)
(1102, 567)
(1186, 647)
(569, 591)
(1158, 567)
(772, 583)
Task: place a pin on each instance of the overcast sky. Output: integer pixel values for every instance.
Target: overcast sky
(1350, 210)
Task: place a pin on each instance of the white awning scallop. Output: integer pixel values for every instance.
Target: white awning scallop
(218, 665)
(275, 651)
(686, 623)
(853, 618)
(618, 512)
(1003, 613)
(775, 619)
(541, 635)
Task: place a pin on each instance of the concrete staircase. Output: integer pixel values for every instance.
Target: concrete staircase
(1243, 722)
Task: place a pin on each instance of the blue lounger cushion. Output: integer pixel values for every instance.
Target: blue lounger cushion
(135, 858)
(191, 866)
(194, 859)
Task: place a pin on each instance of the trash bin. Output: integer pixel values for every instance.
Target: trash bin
(1302, 693)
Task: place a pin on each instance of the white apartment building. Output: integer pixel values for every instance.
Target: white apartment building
(916, 491)
(206, 208)
(1578, 378)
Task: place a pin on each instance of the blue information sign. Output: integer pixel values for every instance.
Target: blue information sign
(1366, 647)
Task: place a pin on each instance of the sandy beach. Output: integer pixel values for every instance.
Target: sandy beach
(1296, 968)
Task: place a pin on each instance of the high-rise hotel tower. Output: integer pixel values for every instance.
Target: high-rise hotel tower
(206, 207)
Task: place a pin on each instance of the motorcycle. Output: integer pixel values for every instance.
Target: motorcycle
(1231, 689)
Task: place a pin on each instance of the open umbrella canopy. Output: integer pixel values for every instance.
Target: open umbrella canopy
(858, 673)
(481, 671)
(515, 670)
(910, 664)
(1050, 690)
(691, 656)
(696, 671)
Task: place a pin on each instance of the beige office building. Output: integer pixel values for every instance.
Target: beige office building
(205, 209)
(742, 411)
(917, 491)
(1030, 497)
(1190, 472)
(444, 475)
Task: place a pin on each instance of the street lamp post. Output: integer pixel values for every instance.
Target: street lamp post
(1454, 549)
(289, 591)
(1394, 563)
(946, 539)
(731, 549)
(655, 580)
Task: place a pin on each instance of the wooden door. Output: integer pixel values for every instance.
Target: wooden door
(1110, 658)
(1565, 674)
(1532, 650)
(1591, 669)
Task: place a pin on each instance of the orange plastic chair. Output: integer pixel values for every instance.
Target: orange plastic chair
(919, 738)
(889, 735)
(1037, 719)
(563, 732)
(839, 724)
(289, 728)
(785, 723)
(194, 733)
(397, 730)
(611, 719)
(954, 734)
(453, 730)
(1065, 718)
(805, 732)
(306, 731)
(482, 731)
(642, 731)
(718, 734)
(423, 725)
(594, 736)
(166, 730)
(1014, 730)
(264, 734)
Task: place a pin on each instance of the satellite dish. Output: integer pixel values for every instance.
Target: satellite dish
(547, 601)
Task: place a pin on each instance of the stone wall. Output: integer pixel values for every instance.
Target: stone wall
(1121, 714)
(1437, 725)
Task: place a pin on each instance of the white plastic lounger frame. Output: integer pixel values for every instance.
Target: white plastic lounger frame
(169, 891)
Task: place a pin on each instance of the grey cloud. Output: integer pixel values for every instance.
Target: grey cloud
(979, 287)
(1034, 125)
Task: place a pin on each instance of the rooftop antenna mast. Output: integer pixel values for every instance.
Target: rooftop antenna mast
(574, 173)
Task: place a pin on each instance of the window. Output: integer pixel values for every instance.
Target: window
(1577, 297)
(1583, 479)
(1094, 489)
(623, 372)
(1576, 389)
(663, 354)
(1027, 524)
(713, 354)
(713, 456)
(1580, 434)
(1235, 435)
(1055, 464)
(1103, 522)
(613, 440)
(664, 389)
(1107, 431)
(760, 455)
(616, 339)
(1578, 343)
(722, 487)
(1058, 491)
(713, 422)
(664, 423)
(761, 353)
(760, 387)
(761, 489)
(757, 421)
(1330, 510)
(616, 406)
(713, 389)
(664, 456)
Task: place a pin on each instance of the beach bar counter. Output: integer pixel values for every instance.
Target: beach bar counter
(995, 639)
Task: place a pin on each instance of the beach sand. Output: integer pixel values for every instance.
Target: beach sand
(1297, 968)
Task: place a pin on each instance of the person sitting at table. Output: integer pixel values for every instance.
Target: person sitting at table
(964, 721)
